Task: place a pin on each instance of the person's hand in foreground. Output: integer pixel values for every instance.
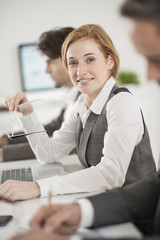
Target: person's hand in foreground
(38, 235)
(62, 219)
(18, 190)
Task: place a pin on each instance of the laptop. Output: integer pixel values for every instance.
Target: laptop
(29, 170)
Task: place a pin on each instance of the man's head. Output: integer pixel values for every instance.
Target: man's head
(146, 32)
(50, 44)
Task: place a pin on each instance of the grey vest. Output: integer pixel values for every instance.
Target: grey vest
(89, 142)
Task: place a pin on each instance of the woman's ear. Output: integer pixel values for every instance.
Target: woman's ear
(110, 62)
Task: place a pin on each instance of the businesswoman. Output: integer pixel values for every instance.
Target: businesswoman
(105, 125)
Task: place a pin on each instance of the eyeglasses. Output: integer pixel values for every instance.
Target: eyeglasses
(15, 118)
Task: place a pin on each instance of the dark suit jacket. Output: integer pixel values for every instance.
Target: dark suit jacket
(19, 148)
(137, 202)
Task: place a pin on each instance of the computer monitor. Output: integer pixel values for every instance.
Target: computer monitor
(32, 67)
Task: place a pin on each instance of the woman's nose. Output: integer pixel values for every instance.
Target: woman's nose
(81, 70)
(78, 71)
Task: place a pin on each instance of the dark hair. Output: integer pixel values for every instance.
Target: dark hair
(50, 42)
(142, 9)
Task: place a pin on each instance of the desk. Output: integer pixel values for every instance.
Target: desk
(22, 211)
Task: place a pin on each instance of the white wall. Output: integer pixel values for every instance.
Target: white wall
(22, 21)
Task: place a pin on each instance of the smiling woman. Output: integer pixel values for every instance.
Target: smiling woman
(105, 125)
(83, 67)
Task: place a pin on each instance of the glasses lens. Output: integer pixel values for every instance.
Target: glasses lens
(14, 123)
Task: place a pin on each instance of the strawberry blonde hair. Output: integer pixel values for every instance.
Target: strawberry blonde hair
(98, 34)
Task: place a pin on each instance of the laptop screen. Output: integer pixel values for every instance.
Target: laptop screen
(32, 67)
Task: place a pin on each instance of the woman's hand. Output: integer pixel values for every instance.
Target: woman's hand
(63, 218)
(14, 102)
(19, 190)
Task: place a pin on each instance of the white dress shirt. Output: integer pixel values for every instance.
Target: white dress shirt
(125, 131)
(70, 99)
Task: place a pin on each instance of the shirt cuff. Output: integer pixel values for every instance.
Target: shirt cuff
(87, 212)
(48, 184)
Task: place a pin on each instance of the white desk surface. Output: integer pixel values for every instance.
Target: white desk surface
(22, 211)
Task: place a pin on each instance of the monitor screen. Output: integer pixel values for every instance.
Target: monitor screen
(32, 66)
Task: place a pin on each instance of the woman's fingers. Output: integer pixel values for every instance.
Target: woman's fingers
(19, 190)
(14, 103)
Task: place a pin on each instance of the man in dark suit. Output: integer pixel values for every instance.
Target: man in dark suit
(136, 202)
(50, 44)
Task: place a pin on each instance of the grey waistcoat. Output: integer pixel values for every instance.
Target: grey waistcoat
(89, 142)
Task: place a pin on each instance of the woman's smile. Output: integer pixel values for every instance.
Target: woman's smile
(84, 80)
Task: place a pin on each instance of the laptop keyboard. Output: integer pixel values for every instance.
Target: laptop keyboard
(21, 174)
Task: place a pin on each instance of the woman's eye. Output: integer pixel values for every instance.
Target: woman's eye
(90, 59)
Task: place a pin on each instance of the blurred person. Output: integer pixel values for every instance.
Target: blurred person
(49, 44)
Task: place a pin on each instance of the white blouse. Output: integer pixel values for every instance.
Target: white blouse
(125, 131)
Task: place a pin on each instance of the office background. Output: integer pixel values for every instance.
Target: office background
(22, 21)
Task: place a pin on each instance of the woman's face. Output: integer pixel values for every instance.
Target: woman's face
(87, 67)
